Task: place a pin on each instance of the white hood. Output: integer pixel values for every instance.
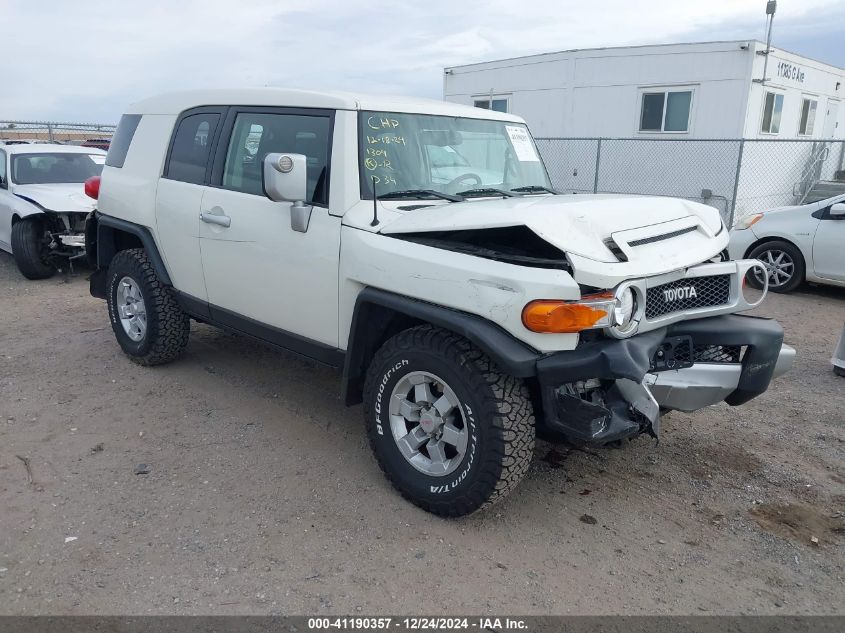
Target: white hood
(57, 197)
(655, 234)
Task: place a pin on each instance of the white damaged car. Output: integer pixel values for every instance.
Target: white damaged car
(43, 205)
(467, 304)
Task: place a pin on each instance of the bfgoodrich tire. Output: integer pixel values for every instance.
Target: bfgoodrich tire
(451, 432)
(27, 249)
(784, 264)
(147, 321)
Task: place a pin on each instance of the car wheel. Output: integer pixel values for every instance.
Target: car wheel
(839, 371)
(149, 325)
(29, 250)
(451, 432)
(784, 266)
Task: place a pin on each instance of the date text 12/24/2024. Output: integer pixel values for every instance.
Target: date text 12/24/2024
(417, 624)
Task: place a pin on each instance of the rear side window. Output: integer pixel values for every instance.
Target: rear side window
(121, 140)
(191, 146)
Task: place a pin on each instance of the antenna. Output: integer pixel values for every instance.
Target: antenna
(375, 204)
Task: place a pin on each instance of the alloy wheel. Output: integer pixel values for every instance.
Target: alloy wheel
(131, 309)
(428, 424)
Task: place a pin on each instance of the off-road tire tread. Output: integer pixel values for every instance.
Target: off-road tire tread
(172, 326)
(25, 240)
(505, 401)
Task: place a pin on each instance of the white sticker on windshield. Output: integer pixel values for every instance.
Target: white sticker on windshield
(522, 144)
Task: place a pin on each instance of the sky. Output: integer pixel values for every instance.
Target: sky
(84, 60)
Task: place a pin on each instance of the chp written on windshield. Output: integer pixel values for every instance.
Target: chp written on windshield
(384, 138)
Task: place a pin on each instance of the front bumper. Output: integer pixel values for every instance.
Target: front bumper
(632, 392)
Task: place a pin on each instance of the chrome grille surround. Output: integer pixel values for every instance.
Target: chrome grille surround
(647, 320)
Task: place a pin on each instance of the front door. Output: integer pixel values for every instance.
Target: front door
(829, 247)
(830, 116)
(263, 277)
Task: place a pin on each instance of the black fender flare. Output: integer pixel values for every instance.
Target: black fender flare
(374, 321)
(114, 235)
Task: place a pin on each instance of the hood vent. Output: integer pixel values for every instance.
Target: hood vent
(664, 236)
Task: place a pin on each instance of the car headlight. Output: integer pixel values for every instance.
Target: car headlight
(624, 307)
(748, 221)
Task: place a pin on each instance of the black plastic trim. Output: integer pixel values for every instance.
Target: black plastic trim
(106, 250)
(238, 324)
(369, 325)
(763, 338)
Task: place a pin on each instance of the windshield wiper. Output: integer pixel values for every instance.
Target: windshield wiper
(419, 194)
(536, 189)
(487, 191)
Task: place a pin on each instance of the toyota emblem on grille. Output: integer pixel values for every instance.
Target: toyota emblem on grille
(681, 292)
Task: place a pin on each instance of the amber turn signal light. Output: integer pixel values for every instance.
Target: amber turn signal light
(566, 317)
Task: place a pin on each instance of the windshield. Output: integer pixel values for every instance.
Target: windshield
(406, 152)
(52, 168)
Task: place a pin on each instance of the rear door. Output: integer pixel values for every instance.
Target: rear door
(263, 277)
(829, 246)
(179, 194)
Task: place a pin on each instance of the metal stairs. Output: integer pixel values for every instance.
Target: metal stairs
(823, 189)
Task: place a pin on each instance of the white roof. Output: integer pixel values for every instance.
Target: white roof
(51, 148)
(176, 102)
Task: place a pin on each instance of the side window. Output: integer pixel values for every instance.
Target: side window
(119, 147)
(191, 147)
(3, 166)
(772, 108)
(808, 116)
(255, 135)
(667, 111)
(499, 104)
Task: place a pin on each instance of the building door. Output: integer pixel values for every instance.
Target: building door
(829, 130)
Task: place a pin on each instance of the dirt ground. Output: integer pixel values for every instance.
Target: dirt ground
(262, 496)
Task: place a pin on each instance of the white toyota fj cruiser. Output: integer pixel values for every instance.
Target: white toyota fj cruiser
(418, 246)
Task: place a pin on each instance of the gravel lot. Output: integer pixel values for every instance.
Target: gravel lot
(262, 496)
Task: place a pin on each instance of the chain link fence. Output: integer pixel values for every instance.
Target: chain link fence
(55, 132)
(737, 176)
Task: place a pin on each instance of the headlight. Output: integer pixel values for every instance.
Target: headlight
(623, 309)
(748, 221)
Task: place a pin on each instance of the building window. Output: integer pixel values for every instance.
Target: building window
(808, 116)
(666, 111)
(772, 108)
(500, 104)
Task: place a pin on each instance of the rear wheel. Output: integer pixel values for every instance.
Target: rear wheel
(29, 249)
(451, 432)
(784, 266)
(147, 321)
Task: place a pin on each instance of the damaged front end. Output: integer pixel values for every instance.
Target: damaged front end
(608, 390)
(63, 238)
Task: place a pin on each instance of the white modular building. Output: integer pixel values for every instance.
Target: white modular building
(709, 90)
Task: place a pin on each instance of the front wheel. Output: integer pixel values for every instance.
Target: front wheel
(450, 431)
(150, 326)
(784, 266)
(28, 249)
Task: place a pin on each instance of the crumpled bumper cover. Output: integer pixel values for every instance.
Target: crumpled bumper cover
(629, 361)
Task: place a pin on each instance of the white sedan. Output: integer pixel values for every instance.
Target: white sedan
(43, 205)
(796, 244)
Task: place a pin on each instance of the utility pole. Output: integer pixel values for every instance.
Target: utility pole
(771, 7)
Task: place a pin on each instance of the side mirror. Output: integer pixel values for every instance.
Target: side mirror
(285, 180)
(837, 210)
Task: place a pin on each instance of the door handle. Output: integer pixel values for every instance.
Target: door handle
(211, 218)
